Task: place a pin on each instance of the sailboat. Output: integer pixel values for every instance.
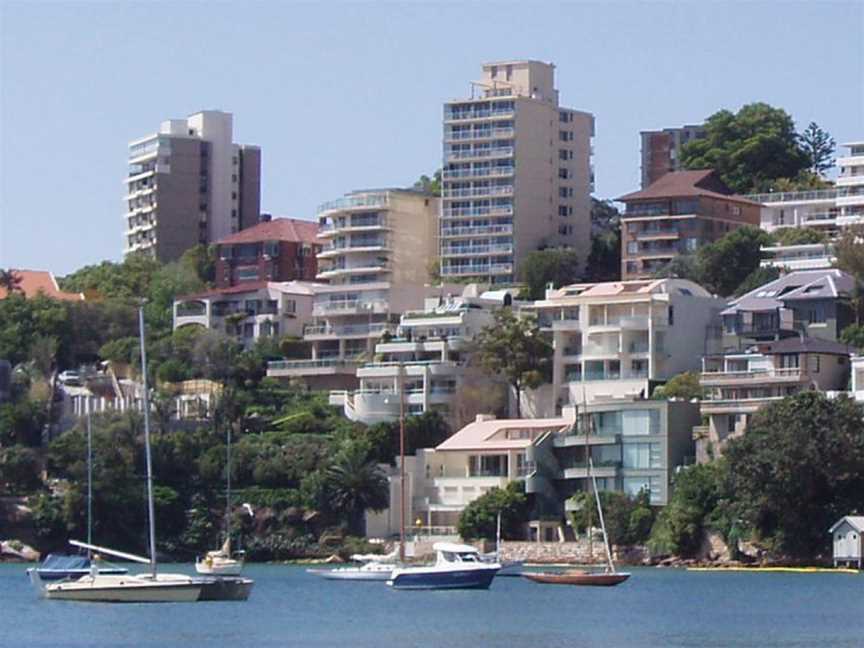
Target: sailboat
(151, 587)
(456, 566)
(60, 566)
(609, 576)
(222, 562)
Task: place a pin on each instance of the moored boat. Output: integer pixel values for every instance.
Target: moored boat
(61, 566)
(456, 566)
(578, 577)
(122, 588)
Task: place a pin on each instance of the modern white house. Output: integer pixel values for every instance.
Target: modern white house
(620, 339)
(847, 534)
(252, 310)
(425, 360)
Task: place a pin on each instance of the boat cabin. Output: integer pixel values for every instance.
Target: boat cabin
(451, 552)
(847, 535)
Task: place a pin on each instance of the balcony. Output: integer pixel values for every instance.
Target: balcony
(287, 368)
(463, 212)
(476, 250)
(779, 197)
(478, 192)
(601, 351)
(465, 115)
(376, 200)
(658, 233)
(480, 153)
(479, 134)
(480, 230)
(349, 307)
(477, 269)
(325, 331)
(752, 377)
(487, 172)
(330, 273)
(603, 469)
(736, 405)
(331, 251)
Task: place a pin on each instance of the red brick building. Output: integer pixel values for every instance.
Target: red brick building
(282, 249)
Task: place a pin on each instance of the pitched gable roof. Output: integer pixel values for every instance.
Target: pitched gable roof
(34, 282)
(278, 229)
(857, 522)
(686, 184)
(492, 434)
(798, 285)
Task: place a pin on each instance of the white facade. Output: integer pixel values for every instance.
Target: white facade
(616, 339)
(427, 355)
(809, 256)
(272, 309)
(516, 176)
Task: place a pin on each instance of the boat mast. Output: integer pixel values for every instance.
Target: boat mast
(89, 486)
(586, 422)
(146, 404)
(610, 564)
(228, 489)
(402, 462)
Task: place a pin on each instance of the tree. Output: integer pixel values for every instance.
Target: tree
(10, 281)
(799, 468)
(429, 185)
(798, 236)
(684, 385)
(19, 469)
(480, 518)
(849, 250)
(759, 277)
(628, 519)
(683, 266)
(726, 263)
(355, 484)
(748, 149)
(513, 348)
(819, 147)
(604, 261)
(853, 335)
(552, 265)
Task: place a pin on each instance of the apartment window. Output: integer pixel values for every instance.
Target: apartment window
(565, 136)
(290, 306)
(563, 173)
(565, 116)
(487, 465)
(640, 422)
(642, 455)
(816, 314)
(632, 267)
(563, 154)
(691, 244)
(233, 195)
(789, 361)
(233, 177)
(632, 247)
(671, 315)
(817, 364)
(564, 210)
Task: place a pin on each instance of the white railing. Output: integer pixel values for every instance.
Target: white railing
(478, 230)
(478, 173)
(506, 190)
(461, 212)
(377, 199)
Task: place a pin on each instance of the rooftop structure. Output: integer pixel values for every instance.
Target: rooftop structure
(282, 249)
(189, 183)
(39, 282)
(676, 215)
(517, 173)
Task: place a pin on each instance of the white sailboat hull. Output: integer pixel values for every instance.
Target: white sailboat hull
(220, 567)
(164, 588)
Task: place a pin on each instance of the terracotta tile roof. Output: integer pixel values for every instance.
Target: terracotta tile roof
(686, 184)
(278, 229)
(35, 281)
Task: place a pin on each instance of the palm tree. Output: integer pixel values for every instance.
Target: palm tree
(11, 281)
(355, 484)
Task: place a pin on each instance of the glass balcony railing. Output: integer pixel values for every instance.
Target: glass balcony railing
(478, 173)
(461, 212)
(479, 230)
(363, 200)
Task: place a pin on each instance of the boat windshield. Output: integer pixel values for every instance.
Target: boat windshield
(462, 556)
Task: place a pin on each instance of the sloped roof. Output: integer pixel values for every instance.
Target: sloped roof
(631, 287)
(34, 282)
(806, 345)
(287, 287)
(481, 435)
(798, 285)
(686, 184)
(278, 229)
(857, 521)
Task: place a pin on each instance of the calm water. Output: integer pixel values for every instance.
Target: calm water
(292, 608)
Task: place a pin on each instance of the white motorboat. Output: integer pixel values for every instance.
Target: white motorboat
(374, 567)
(457, 566)
(221, 562)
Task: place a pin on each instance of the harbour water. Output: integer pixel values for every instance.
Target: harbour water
(656, 607)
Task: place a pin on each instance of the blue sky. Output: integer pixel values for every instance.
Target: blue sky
(346, 96)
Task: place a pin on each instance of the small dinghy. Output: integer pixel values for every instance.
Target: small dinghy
(578, 577)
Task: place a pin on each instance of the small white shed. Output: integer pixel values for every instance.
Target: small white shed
(847, 535)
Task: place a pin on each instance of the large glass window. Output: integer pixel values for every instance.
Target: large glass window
(642, 455)
(487, 465)
(634, 485)
(639, 422)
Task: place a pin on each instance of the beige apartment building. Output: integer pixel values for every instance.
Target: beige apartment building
(189, 183)
(517, 174)
(377, 248)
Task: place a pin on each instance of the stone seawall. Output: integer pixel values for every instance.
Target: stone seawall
(570, 553)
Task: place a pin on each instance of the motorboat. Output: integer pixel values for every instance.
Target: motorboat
(64, 566)
(508, 567)
(372, 567)
(221, 562)
(457, 566)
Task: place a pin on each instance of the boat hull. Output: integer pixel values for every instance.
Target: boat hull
(225, 589)
(578, 578)
(352, 574)
(228, 568)
(51, 575)
(418, 578)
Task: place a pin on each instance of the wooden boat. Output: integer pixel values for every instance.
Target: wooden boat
(578, 577)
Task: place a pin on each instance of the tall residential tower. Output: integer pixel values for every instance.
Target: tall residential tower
(188, 184)
(517, 174)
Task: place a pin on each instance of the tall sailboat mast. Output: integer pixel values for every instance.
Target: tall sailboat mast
(89, 485)
(151, 518)
(228, 488)
(402, 462)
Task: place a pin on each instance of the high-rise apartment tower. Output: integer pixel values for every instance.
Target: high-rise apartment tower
(517, 174)
(661, 150)
(189, 183)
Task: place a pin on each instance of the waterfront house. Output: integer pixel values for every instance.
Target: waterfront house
(848, 540)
